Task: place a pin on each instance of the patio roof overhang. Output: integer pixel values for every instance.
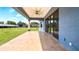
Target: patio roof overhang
(35, 13)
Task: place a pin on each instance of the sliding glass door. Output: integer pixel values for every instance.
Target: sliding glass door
(52, 24)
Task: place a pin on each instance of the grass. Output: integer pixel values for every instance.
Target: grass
(7, 34)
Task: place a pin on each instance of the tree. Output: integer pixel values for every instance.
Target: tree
(22, 24)
(11, 22)
(1, 22)
(34, 24)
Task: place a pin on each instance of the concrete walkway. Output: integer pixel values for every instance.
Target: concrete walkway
(32, 41)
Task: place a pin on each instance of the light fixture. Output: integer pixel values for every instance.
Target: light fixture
(37, 11)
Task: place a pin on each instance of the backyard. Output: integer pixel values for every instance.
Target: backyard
(7, 34)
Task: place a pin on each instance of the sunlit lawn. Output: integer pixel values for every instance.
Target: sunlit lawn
(7, 34)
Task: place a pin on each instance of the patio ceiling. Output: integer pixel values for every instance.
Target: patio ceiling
(33, 12)
(36, 12)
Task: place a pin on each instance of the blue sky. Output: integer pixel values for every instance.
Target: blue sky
(9, 14)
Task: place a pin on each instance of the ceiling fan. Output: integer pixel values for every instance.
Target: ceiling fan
(38, 11)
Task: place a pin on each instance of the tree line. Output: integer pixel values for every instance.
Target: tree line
(21, 24)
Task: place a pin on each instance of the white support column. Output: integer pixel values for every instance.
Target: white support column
(29, 24)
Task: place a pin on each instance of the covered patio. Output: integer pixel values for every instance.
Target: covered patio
(44, 39)
(48, 18)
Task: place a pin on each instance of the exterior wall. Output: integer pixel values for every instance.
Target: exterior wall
(69, 27)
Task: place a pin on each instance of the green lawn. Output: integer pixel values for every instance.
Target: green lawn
(7, 34)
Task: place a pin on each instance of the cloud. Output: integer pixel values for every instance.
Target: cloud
(18, 15)
(11, 10)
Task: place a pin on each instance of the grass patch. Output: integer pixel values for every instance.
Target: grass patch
(7, 34)
(34, 29)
